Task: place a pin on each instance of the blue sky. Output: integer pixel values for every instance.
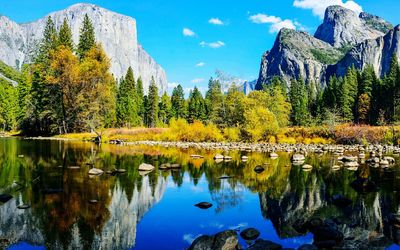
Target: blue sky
(190, 39)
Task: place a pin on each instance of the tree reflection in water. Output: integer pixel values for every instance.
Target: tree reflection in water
(61, 215)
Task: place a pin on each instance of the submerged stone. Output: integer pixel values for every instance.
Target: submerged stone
(5, 197)
(204, 205)
(23, 206)
(259, 169)
(250, 234)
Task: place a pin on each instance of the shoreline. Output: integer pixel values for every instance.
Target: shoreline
(262, 147)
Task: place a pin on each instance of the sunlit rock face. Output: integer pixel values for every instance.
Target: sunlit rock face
(117, 34)
(344, 39)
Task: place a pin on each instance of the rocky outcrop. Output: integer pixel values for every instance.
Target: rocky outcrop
(343, 27)
(375, 52)
(117, 34)
(295, 54)
(342, 40)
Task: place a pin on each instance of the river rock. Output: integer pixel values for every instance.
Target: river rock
(273, 155)
(146, 167)
(204, 205)
(391, 160)
(165, 166)
(259, 169)
(218, 157)
(95, 171)
(120, 171)
(335, 167)
(23, 206)
(250, 234)
(298, 157)
(5, 197)
(261, 244)
(196, 156)
(226, 240)
(351, 164)
(307, 167)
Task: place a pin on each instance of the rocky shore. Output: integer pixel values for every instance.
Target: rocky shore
(377, 149)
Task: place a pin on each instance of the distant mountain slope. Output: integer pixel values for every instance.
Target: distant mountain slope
(342, 40)
(117, 34)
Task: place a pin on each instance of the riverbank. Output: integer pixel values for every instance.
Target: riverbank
(197, 133)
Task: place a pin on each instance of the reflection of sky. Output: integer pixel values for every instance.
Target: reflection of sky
(175, 222)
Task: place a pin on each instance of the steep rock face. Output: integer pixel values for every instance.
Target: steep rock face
(377, 53)
(296, 54)
(117, 34)
(343, 27)
(342, 40)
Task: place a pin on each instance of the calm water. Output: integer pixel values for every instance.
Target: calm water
(156, 211)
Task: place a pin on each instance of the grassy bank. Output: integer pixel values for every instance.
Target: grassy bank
(197, 132)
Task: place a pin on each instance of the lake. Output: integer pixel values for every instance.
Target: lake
(68, 209)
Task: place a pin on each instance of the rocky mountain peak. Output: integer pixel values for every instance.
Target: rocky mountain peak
(344, 39)
(117, 33)
(344, 27)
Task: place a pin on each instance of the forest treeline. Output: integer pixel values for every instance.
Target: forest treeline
(68, 88)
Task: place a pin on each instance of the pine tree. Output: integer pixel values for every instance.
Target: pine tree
(48, 43)
(152, 103)
(349, 93)
(140, 98)
(65, 36)
(165, 108)
(87, 38)
(178, 103)
(214, 100)
(389, 89)
(197, 107)
(299, 100)
(127, 104)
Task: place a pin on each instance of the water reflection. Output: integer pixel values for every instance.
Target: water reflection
(61, 215)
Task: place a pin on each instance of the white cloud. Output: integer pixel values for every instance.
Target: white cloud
(216, 21)
(276, 22)
(318, 7)
(188, 32)
(197, 80)
(262, 18)
(214, 45)
(200, 64)
(172, 85)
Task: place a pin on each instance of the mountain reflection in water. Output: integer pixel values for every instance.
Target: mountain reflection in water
(156, 210)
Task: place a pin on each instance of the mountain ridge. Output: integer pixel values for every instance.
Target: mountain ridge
(331, 50)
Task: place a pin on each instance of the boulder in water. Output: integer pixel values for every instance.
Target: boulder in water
(95, 171)
(218, 157)
(259, 169)
(298, 157)
(5, 197)
(23, 206)
(226, 240)
(204, 205)
(146, 167)
(250, 234)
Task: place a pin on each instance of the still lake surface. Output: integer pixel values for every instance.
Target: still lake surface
(156, 210)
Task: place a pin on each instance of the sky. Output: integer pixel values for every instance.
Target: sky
(191, 39)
